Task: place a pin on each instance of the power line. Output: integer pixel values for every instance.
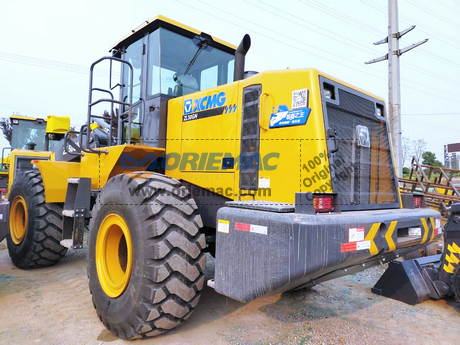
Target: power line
(367, 49)
(284, 43)
(56, 65)
(433, 13)
(334, 34)
(404, 19)
(430, 126)
(432, 114)
(309, 52)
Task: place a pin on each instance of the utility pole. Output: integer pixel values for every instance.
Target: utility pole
(394, 89)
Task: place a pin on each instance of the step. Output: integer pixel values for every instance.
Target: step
(68, 213)
(67, 243)
(73, 180)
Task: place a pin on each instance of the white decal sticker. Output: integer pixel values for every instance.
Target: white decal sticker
(363, 245)
(223, 226)
(264, 182)
(259, 229)
(356, 234)
(299, 99)
(438, 222)
(1, 216)
(415, 231)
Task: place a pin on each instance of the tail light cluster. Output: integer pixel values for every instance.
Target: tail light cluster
(323, 203)
(417, 201)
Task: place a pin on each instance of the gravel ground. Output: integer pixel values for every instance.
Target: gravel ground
(53, 306)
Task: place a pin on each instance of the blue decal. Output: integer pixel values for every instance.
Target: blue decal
(285, 117)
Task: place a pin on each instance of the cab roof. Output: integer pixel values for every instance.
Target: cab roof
(161, 21)
(28, 118)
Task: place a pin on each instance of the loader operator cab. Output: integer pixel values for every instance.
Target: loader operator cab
(168, 61)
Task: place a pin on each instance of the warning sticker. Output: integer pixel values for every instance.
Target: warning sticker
(348, 247)
(223, 226)
(356, 234)
(258, 229)
(363, 245)
(299, 99)
(354, 246)
(415, 231)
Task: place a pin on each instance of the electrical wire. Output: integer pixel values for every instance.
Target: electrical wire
(414, 68)
(433, 13)
(309, 52)
(404, 19)
(432, 114)
(33, 61)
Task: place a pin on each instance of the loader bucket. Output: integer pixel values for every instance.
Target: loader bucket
(417, 280)
(404, 281)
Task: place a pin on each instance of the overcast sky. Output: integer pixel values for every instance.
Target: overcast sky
(47, 47)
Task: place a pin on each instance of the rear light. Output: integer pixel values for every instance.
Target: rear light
(417, 201)
(323, 203)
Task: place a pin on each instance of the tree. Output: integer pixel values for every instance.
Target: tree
(406, 149)
(419, 147)
(429, 158)
(7, 128)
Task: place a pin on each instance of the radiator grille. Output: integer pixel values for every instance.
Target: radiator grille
(360, 175)
(249, 156)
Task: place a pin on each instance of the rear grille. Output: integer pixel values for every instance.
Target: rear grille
(249, 157)
(363, 177)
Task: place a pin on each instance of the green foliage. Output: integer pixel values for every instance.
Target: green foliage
(429, 158)
(7, 128)
(406, 171)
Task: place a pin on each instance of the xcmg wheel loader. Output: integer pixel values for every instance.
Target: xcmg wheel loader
(286, 177)
(31, 138)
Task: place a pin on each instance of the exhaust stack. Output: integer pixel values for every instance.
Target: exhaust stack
(240, 56)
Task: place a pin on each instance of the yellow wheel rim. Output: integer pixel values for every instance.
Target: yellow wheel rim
(114, 255)
(19, 218)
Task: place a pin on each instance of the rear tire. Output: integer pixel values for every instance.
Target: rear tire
(35, 226)
(163, 248)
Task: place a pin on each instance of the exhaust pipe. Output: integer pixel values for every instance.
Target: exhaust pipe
(240, 56)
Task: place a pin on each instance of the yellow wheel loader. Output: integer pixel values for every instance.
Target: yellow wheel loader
(286, 177)
(31, 138)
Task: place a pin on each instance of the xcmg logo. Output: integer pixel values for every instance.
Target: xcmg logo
(204, 103)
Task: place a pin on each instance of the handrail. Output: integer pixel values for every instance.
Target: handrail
(3, 155)
(111, 100)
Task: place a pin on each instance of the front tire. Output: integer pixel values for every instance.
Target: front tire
(145, 258)
(35, 226)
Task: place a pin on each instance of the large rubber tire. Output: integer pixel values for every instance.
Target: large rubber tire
(40, 245)
(167, 259)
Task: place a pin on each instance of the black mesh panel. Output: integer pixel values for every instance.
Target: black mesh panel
(360, 175)
(249, 157)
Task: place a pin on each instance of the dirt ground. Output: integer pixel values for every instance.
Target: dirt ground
(53, 306)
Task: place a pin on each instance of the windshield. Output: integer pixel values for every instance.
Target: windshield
(180, 65)
(27, 131)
